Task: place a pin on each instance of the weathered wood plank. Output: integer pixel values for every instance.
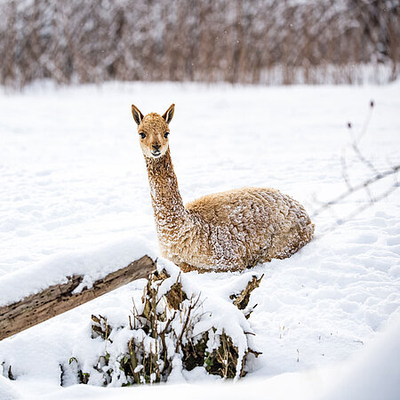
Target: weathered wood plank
(57, 299)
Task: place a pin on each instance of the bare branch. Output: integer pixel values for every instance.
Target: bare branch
(356, 188)
(366, 185)
(344, 172)
(359, 210)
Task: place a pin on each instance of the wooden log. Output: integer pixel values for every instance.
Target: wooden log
(57, 299)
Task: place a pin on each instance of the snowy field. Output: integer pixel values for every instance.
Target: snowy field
(74, 198)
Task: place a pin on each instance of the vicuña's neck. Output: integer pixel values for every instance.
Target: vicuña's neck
(167, 202)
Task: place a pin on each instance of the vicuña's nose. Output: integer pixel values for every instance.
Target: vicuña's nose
(156, 146)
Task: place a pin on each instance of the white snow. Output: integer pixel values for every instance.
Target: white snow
(75, 199)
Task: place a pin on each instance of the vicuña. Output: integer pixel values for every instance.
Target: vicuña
(225, 231)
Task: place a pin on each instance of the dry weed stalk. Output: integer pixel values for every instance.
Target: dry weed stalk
(366, 185)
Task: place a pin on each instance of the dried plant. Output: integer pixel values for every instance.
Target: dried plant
(162, 328)
(371, 197)
(241, 41)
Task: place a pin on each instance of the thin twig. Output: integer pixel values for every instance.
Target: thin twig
(360, 186)
(344, 172)
(363, 159)
(367, 120)
(191, 307)
(340, 222)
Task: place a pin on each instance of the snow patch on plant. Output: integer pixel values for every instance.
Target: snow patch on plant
(174, 328)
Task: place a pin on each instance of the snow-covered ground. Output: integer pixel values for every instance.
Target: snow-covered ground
(74, 198)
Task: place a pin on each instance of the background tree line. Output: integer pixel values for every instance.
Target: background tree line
(240, 41)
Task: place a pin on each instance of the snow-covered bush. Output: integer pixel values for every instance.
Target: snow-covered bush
(173, 328)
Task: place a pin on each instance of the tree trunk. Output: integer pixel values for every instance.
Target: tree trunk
(57, 299)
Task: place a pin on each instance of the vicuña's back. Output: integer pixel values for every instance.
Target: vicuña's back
(231, 230)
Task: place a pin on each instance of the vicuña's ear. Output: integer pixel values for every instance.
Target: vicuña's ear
(169, 113)
(137, 115)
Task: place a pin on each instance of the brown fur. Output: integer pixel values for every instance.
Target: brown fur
(231, 230)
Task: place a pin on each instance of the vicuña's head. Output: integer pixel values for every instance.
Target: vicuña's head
(153, 131)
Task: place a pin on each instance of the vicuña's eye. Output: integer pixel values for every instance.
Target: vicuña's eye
(166, 134)
(142, 135)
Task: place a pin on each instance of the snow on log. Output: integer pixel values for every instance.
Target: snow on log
(59, 298)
